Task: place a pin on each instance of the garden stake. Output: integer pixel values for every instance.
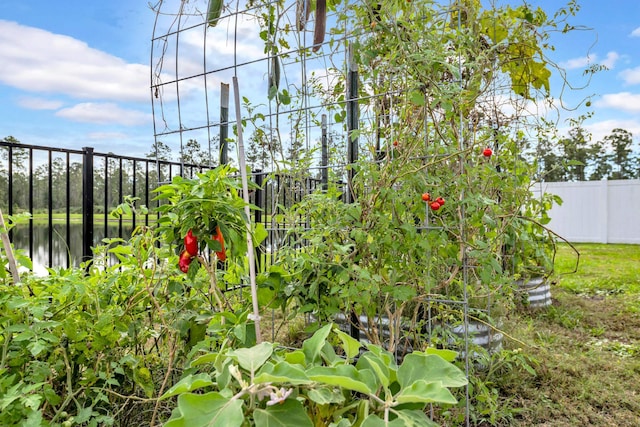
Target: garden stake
(245, 193)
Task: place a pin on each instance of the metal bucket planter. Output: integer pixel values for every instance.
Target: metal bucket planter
(479, 334)
(404, 344)
(538, 291)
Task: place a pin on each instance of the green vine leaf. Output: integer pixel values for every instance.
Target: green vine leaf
(289, 413)
(426, 392)
(207, 410)
(281, 372)
(419, 366)
(188, 384)
(253, 358)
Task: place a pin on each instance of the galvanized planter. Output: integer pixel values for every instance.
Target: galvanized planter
(538, 290)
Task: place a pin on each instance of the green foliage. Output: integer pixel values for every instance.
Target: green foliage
(265, 386)
(85, 342)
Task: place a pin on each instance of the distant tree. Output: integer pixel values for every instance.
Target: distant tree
(262, 150)
(551, 166)
(159, 151)
(600, 162)
(575, 151)
(621, 142)
(192, 153)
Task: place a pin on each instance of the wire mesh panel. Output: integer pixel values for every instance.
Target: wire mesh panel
(389, 136)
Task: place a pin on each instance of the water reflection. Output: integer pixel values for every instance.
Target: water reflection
(66, 243)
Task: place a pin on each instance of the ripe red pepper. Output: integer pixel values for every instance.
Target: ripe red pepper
(440, 201)
(221, 254)
(185, 261)
(435, 206)
(487, 152)
(191, 243)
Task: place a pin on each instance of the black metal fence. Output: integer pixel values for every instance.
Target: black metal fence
(70, 194)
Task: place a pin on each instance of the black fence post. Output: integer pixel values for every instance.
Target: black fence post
(353, 117)
(87, 203)
(224, 123)
(325, 155)
(10, 186)
(259, 202)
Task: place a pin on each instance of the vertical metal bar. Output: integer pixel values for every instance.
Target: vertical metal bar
(31, 245)
(133, 190)
(87, 203)
(10, 171)
(259, 202)
(224, 123)
(352, 152)
(353, 116)
(146, 192)
(50, 208)
(10, 189)
(120, 197)
(106, 196)
(68, 210)
(325, 155)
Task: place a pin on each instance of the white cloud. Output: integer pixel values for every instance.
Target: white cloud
(600, 130)
(33, 103)
(583, 62)
(636, 32)
(104, 113)
(631, 76)
(610, 60)
(36, 60)
(623, 101)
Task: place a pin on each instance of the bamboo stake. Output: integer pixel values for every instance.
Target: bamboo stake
(13, 268)
(245, 193)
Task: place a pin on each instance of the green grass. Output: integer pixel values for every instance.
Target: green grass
(602, 269)
(587, 344)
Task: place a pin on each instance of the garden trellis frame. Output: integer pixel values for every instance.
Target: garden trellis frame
(309, 112)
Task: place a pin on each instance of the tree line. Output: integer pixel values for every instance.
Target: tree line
(576, 158)
(571, 158)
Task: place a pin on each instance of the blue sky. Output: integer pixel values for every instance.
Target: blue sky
(76, 73)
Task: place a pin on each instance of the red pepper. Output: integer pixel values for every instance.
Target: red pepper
(221, 254)
(185, 261)
(191, 243)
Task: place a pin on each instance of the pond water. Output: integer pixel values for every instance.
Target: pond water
(61, 247)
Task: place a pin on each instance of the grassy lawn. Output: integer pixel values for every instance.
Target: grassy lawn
(587, 344)
(76, 218)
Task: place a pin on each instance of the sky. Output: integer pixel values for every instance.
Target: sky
(77, 73)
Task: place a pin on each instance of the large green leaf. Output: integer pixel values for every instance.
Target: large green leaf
(412, 418)
(448, 355)
(313, 346)
(345, 376)
(405, 418)
(419, 366)
(288, 413)
(350, 345)
(281, 372)
(325, 396)
(207, 410)
(254, 357)
(425, 392)
(372, 362)
(187, 384)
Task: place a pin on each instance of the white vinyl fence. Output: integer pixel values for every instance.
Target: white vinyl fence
(596, 211)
